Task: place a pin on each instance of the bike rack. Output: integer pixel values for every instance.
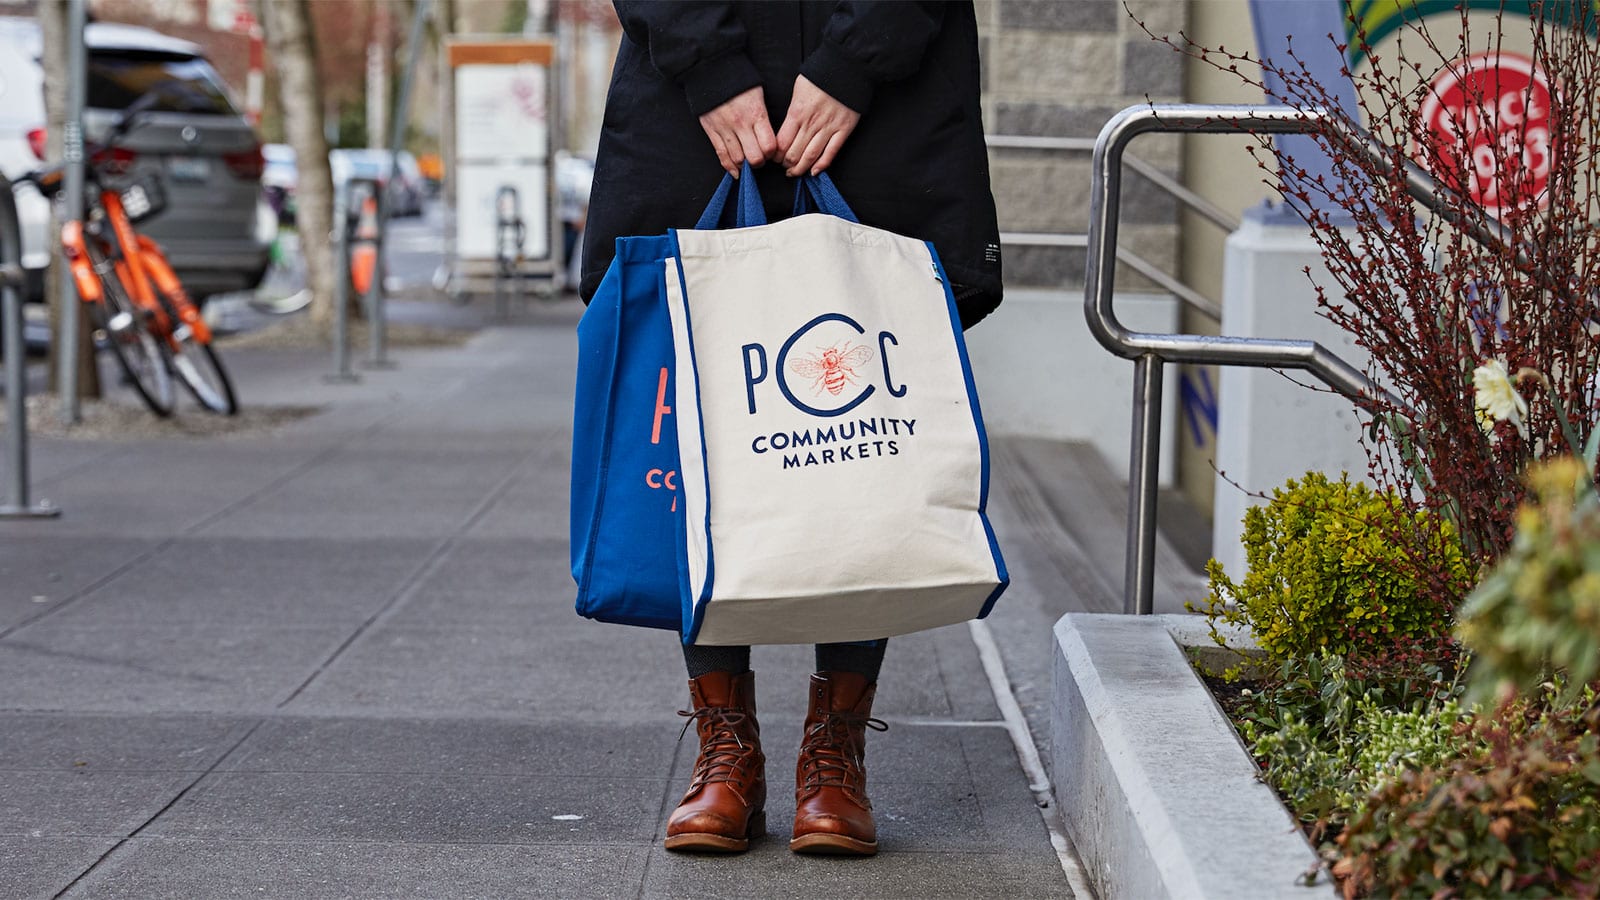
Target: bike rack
(1151, 351)
(17, 505)
(509, 233)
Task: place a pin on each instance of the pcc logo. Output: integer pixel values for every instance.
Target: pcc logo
(828, 367)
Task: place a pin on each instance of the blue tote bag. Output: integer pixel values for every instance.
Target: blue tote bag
(626, 504)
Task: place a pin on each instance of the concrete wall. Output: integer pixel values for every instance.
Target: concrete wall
(1062, 68)
(1040, 373)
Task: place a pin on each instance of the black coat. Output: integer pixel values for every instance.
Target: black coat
(915, 165)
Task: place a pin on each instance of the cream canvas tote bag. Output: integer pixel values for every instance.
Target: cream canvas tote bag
(833, 459)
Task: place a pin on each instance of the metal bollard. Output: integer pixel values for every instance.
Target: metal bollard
(341, 288)
(399, 117)
(371, 233)
(16, 505)
(67, 336)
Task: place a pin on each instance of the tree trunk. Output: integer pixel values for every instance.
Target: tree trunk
(53, 59)
(379, 58)
(445, 21)
(292, 43)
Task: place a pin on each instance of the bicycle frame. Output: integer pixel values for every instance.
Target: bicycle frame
(137, 263)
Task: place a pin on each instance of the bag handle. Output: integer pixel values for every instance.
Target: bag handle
(811, 192)
(819, 190)
(749, 210)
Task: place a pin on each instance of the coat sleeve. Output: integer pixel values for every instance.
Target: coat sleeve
(698, 45)
(867, 42)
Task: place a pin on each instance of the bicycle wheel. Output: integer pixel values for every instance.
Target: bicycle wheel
(140, 356)
(202, 373)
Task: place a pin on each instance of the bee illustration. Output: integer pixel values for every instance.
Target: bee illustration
(832, 367)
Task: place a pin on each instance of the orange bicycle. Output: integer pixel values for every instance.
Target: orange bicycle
(140, 307)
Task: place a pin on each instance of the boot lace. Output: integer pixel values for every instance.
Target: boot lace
(722, 752)
(829, 757)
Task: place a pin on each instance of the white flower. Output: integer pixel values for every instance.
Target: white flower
(1495, 395)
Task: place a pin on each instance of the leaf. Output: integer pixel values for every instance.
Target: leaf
(1591, 770)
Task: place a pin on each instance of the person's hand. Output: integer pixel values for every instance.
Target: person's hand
(814, 129)
(740, 131)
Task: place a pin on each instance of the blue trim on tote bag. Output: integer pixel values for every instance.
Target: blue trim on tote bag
(694, 609)
(983, 434)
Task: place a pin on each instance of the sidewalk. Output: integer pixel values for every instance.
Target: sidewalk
(340, 659)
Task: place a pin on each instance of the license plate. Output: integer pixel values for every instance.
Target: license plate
(189, 168)
(143, 199)
(136, 201)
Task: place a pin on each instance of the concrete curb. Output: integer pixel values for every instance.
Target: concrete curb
(1155, 789)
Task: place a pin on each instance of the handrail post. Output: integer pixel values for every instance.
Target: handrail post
(1143, 473)
(17, 504)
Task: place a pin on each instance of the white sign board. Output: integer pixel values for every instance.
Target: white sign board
(503, 98)
(502, 111)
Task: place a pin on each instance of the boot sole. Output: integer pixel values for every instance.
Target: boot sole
(707, 842)
(832, 845)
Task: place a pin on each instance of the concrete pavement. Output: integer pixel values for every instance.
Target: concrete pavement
(339, 658)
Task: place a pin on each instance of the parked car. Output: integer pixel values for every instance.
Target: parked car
(405, 193)
(216, 228)
(21, 133)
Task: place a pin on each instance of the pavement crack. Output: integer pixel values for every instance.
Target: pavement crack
(413, 581)
(163, 810)
(50, 653)
(167, 543)
(667, 804)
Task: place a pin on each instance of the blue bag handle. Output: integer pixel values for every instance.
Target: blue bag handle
(749, 210)
(820, 191)
(810, 191)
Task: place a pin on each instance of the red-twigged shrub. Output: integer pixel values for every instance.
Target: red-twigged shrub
(1430, 303)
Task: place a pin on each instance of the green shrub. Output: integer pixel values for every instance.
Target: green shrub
(1326, 738)
(1518, 813)
(1401, 741)
(1335, 567)
(1538, 610)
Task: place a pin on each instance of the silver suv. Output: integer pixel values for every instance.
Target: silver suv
(216, 229)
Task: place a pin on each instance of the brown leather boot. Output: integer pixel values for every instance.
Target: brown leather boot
(831, 811)
(725, 804)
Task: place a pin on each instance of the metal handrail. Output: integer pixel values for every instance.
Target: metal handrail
(1200, 302)
(1207, 210)
(1151, 351)
(1200, 205)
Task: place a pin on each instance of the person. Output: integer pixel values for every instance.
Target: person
(884, 96)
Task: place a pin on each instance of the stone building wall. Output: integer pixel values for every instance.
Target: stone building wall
(1063, 68)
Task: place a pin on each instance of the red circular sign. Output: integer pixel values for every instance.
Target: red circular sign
(1491, 111)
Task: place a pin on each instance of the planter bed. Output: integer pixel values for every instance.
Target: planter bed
(1155, 789)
